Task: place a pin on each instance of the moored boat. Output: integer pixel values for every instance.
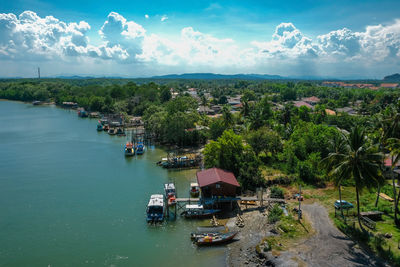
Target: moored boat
(106, 127)
(112, 131)
(170, 193)
(82, 113)
(194, 190)
(140, 148)
(100, 127)
(155, 208)
(198, 211)
(129, 150)
(215, 239)
(120, 132)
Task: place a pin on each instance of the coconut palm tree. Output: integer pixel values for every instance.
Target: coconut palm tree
(336, 146)
(359, 161)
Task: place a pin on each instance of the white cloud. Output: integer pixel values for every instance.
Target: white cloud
(146, 16)
(164, 18)
(30, 38)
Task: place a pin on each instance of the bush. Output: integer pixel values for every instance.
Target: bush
(277, 192)
(275, 214)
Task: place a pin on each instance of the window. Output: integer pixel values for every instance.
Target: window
(217, 186)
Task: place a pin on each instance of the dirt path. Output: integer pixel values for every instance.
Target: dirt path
(328, 247)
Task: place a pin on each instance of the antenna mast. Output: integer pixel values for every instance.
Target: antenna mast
(38, 70)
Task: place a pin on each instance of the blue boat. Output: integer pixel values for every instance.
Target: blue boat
(82, 113)
(140, 148)
(99, 127)
(155, 209)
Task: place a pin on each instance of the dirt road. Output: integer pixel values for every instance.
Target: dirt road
(328, 247)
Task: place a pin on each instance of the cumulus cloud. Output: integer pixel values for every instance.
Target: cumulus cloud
(28, 37)
(164, 18)
(146, 16)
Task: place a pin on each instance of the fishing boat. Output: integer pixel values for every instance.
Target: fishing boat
(140, 148)
(170, 193)
(120, 132)
(82, 113)
(197, 211)
(129, 150)
(155, 209)
(112, 131)
(36, 103)
(194, 190)
(100, 127)
(214, 239)
(106, 127)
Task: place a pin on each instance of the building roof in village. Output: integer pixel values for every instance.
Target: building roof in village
(312, 99)
(330, 112)
(389, 85)
(302, 103)
(216, 175)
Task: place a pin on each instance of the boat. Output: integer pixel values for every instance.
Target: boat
(170, 193)
(155, 209)
(100, 127)
(215, 239)
(194, 190)
(120, 132)
(36, 103)
(112, 131)
(106, 127)
(140, 148)
(129, 150)
(82, 113)
(198, 211)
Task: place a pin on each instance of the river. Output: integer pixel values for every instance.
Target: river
(69, 197)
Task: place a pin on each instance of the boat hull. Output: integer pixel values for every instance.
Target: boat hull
(218, 240)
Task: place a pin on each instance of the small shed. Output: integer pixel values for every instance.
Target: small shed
(216, 182)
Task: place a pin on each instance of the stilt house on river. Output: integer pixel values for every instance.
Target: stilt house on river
(217, 186)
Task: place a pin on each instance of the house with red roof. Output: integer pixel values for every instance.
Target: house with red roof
(389, 85)
(216, 182)
(311, 100)
(302, 103)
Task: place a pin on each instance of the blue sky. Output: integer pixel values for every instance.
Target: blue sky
(339, 38)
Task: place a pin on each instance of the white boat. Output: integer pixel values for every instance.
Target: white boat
(155, 208)
(170, 193)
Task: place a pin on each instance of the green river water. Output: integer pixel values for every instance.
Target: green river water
(69, 197)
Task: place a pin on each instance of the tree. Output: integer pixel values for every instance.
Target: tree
(229, 153)
(359, 161)
(264, 140)
(227, 116)
(165, 94)
(336, 146)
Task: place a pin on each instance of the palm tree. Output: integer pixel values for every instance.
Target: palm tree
(393, 145)
(336, 146)
(359, 161)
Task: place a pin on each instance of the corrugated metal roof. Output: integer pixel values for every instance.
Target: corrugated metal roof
(215, 175)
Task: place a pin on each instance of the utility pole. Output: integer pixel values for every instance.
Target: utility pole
(38, 70)
(299, 212)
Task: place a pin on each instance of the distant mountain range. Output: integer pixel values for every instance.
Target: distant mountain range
(392, 78)
(213, 76)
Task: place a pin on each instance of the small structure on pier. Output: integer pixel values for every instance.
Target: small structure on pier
(218, 183)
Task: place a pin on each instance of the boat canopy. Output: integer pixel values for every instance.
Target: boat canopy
(194, 207)
(169, 186)
(156, 200)
(194, 185)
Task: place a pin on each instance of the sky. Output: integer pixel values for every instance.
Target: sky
(326, 38)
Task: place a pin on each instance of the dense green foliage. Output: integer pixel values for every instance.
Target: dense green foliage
(268, 129)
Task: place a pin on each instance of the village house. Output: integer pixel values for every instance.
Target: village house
(348, 110)
(302, 103)
(205, 110)
(390, 85)
(216, 182)
(311, 100)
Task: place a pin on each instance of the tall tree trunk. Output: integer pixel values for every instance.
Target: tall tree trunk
(340, 199)
(358, 209)
(394, 194)
(377, 196)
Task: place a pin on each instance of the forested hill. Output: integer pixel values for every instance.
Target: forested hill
(213, 76)
(392, 78)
